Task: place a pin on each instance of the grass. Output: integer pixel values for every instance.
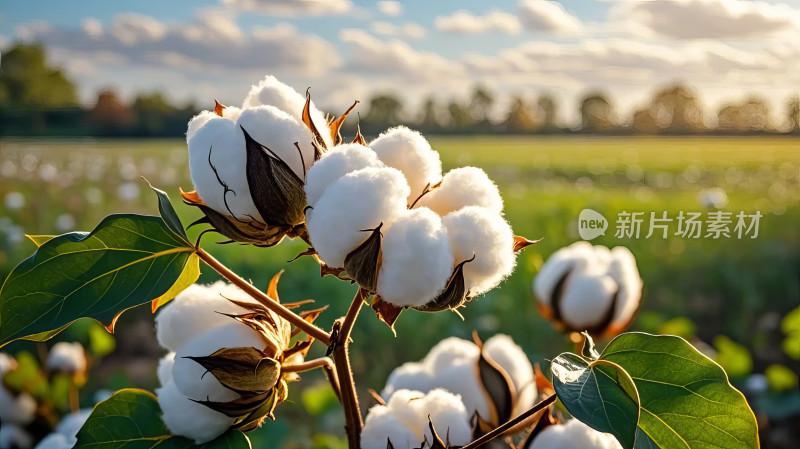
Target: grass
(738, 288)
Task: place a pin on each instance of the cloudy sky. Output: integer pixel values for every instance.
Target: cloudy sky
(350, 49)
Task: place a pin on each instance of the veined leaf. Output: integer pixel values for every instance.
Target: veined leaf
(127, 260)
(132, 419)
(686, 399)
(601, 396)
(38, 240)
(168, 214)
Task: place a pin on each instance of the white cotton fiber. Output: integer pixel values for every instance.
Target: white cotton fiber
(164, 370)
(417, 261)
(574, 435)
(14, 436)
(187, 418)
(476, 231)
(465, 186)
(272, 92)
(404, 420)
(203, 117)
(196, 310)
(451, 365)
(224, 141)
(502, 349)
(19, 409)
(192, 379)
(623, 270)
(409, 152)
(7, 363)
(67, 357)
(356, 202)
(278, 131)
(334, 164)
(595, 275)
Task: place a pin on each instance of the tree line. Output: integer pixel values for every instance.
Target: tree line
(37, 98)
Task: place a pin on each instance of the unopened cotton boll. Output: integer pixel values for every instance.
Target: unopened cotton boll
(195, 310)
(358, 201)
(573, 435)
(67, 357)
(272, 92)
(14, 436)
(192, 379)
(403, 421)
(409, 152)
(164, 370)
(461, 187)
(417, 261)
(187, 418)
(479, 232)
(589, 288)
(334, 164)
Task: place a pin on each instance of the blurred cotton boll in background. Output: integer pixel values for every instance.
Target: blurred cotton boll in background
(19, 408)
(573, 435)
(713, 198)
(453, 365)
(14, 201)
(65, 223)
(65, 434)
(67, 357)
(404, 421)
(13, 436)
(589, 288)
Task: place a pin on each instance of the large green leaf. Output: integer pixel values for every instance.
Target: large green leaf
(686, 399)
(132, 419)
(127, 260)
(604, 400)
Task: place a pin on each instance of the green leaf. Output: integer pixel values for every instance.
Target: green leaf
(168, 213)
(781, 379)
(791, 327)
(126, 261)
(38, 240)
(686, 399)
(132, 419)
(601, 396)
(734, 358)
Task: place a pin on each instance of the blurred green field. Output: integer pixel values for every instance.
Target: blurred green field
(732, 287)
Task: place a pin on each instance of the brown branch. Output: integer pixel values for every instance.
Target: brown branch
(341, 357)
(263, 298)
(323, 362)
(511, 423)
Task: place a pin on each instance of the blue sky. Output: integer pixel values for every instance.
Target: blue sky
(347, 49)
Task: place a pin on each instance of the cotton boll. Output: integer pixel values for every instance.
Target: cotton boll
(56, 441)
(461, 378)
(187, 418)
(502, 349)
(7, 363)
(19, 409)
(417, 261)
(574, 435)
(203, 117)
(334, 164)
(408, 376)
(586, 299)
(404, 420)
(272, 92)
(14, 436)
(196, 310)
(622, 268)
(558, 265)
(465, 186)
(476, 231)
(278, 131)
(192, 379)
(358, 201)
(164, 370)
(221, 141)
(68, 357)
(409, 152)
(449, 351)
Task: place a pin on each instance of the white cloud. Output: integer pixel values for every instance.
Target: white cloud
(211, 42)
(464, 22)
(292, 8)
(548, 16)
(712, 19)
(390, 8)
(406, 30)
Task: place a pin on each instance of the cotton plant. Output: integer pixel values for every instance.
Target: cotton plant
(483, 375)
(382, 215)
(585, 287)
